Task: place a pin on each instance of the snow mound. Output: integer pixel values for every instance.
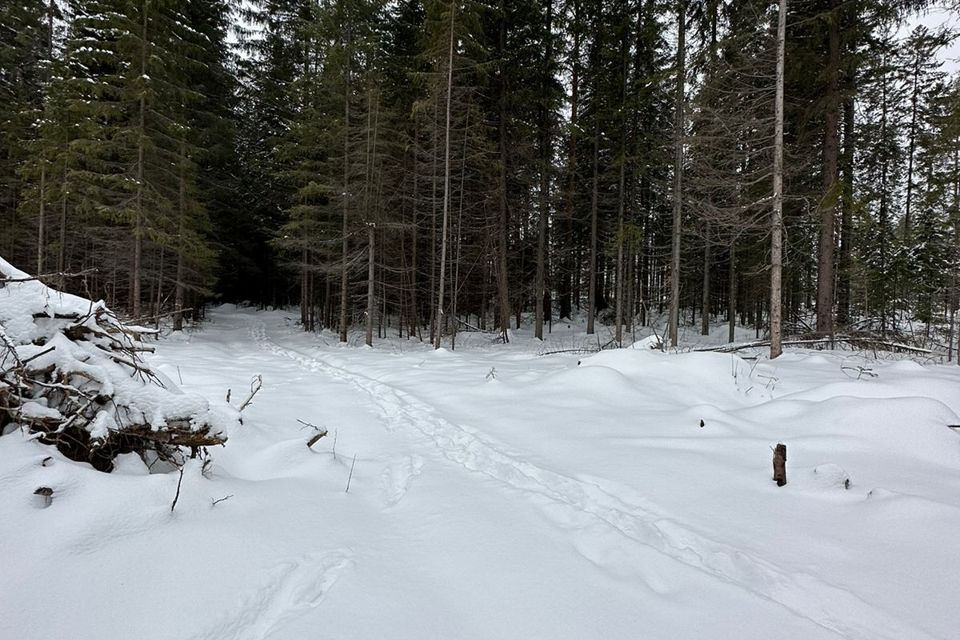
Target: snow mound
(73, 373)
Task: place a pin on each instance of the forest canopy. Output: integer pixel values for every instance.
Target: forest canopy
(430, 166)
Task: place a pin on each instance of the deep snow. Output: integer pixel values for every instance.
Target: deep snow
(502, 494)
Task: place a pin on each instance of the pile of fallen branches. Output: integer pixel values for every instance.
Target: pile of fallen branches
(857, 342)
(74, 374)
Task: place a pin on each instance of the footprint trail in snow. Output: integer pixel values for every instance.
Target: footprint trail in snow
(288, 590)
(829, 606)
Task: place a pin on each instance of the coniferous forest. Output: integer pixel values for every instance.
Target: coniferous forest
(423, 167)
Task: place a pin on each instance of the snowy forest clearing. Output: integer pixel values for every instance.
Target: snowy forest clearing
(501, 494)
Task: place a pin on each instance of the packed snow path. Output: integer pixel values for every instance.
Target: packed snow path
(803, 595)
(501, 495)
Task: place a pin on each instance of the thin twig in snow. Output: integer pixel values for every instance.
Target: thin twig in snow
(350, 477)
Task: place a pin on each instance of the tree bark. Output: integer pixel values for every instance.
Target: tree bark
(446, 183)
(539, 288)
(41, 230)
(732, 293)
(776, 227)
(831, 148)
(705, 300)
(344, 245)
(567, 276)
(594, 204)
(503, 291)
(678, 173)
(371, 281)
(846, 214)
(912, 144)
(181, 217)
(141, 143)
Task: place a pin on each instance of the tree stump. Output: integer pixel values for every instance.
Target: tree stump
(780, 464)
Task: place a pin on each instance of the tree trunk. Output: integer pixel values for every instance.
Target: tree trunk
(883, 213)
(446, 183)
(732, 294)
(567, 276)
(344, 245)
(414, 240)
(41, 231)
(618, 314)
(776, 227)
(705, 300)
(141, 144)
(62, 245)
(828, 205)
(912, 144)
(956, 232)
(539, 288)
(181, 218)
(503, 292)
(678, 173)
(845, 265)
(371, 281)
(594, 204)
(159, 296)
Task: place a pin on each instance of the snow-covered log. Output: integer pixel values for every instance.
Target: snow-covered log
(73, 373)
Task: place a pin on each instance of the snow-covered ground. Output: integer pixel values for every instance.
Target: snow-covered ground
(498, 493)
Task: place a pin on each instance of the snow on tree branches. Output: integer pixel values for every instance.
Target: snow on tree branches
(73, 373)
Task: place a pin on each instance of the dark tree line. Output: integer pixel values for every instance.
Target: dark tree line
(431, 166)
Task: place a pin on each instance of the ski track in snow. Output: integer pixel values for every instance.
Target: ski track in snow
(829, 606)
(290, 589)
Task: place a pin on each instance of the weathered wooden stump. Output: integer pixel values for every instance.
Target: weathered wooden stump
(780, 464)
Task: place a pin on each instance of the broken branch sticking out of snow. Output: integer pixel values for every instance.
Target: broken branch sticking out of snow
(320, 432)
(73, 373)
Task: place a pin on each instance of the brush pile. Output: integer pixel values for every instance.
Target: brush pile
(74, 374)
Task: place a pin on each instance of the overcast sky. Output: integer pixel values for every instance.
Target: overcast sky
(934, 18)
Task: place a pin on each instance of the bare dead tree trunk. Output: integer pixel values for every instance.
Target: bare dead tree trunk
(776, 227)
